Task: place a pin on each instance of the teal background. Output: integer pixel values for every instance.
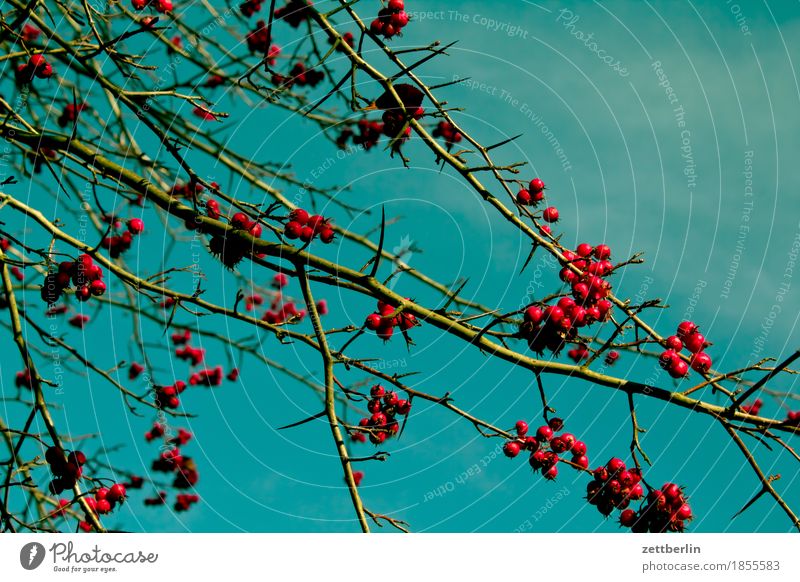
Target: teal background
(621, 180)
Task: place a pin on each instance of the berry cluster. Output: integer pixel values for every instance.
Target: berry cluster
(30, 33)
(167, 396)
(183, 501)
(258, 41)
(576, 354)
(301, 76)
(307, 227)
(369, 133)
(78, 320)
(545, 447)
(135, 370)
(119, 243)
(37, 67)
(383, 323)
(347, 39)
(614, 487)
(385, 407)
(66, 468)
(23, 379)
(172, 461)
(448, 133)
(207, 377)
(250, 7)
(294, 12)
(82, 272)
(70, 113)
(190, 190)
(666, 510)
(688, 337)
(391, 20)
(753, 408)
(106, 498)
(231, 250)
(194, 355)
(161, 6)
(181, 338)
(533, 194)
(550, 327)
(282, 312)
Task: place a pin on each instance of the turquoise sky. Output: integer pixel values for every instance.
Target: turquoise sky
(668, 128)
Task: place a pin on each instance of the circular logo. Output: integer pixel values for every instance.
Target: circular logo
(31, 555)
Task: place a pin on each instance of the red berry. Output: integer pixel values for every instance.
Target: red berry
(117, 492)
(240, 220)
(327, 235)
(554, 314)
(695, 342)
(97, 288)
(400, 19)
(385, 332)
(678, 369)
(627, 518)
(102, 506)
(550, 214)
(584, 250)
(373, 321)
(533, 314)
(136, 225)
(397, 5)
(544, 433)
(76, 457)
(674, 343)
(524, 198)
(511, 449)
(578, 448)
(557, 445)
(667, 357)
(701, 362)
(521, 427)
(581, 460)
(306, 234)
(299, 216)
(614, 465)
(551, 473)
(684, 512)
(292, 229)
(602, 252)
(671, 491)
(686, 328)
(536, 185)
